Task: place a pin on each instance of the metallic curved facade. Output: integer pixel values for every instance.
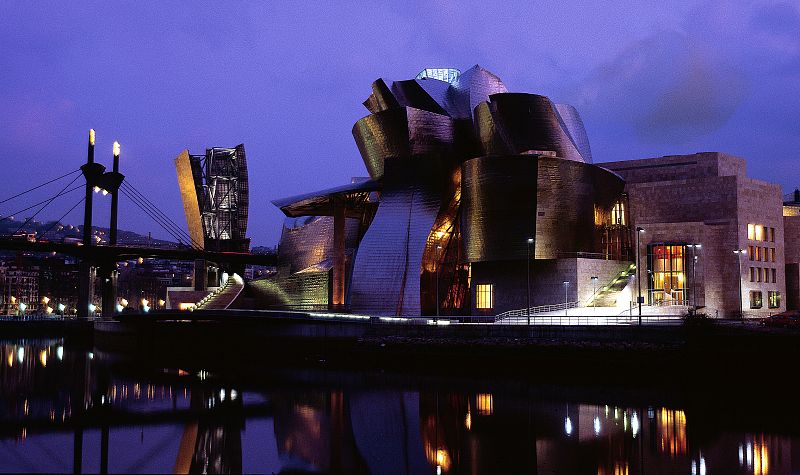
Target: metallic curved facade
(560, 203)
(466, 173)
(402, 132)
(571, 121)
(308, 241)
(514, 123)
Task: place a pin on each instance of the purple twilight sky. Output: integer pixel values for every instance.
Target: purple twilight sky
(287, 80)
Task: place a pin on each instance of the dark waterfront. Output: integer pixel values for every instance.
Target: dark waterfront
(68, 408)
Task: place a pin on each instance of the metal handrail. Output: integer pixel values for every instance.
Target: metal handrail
(520, 312)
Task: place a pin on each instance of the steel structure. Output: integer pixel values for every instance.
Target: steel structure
(214, 188)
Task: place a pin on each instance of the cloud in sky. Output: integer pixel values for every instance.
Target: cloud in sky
(288, 80)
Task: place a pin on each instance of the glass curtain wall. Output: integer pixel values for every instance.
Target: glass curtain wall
(667, 274)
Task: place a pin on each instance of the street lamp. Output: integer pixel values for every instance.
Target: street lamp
(639, 300)
(740, 253)
(436, 267)
(566, 288)
(694, 247)
(594, 292)
(528, 281)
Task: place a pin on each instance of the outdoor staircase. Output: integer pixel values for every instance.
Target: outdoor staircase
(607, 295)
(223, 297)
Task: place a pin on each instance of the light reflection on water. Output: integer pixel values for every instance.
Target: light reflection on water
(61, 408)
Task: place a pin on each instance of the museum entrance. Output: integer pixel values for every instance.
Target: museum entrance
(666, 272)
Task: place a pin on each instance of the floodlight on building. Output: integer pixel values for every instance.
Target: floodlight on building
(48, 310)
(104, 191)
(123, 302)
(161, 302)
(145, 302)
(96, 189)
(22, 307)
(45, 300)
(92, 308)
(120, 308)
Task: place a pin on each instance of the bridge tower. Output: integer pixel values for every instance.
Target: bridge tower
(97, 177)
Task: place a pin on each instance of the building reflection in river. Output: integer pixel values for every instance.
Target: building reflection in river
(64, 410)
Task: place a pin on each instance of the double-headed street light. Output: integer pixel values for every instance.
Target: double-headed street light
(695, 248)
(739, 253)
(639, 300)
(528, 281)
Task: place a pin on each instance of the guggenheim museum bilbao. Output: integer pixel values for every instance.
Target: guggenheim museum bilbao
(481, 201)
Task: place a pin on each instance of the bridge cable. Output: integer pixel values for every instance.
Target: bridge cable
(174, 231)
(39, 186)
(41, 202)
(158, 221)
(58, 221)
(163, 215)
(46, 205)
(136, 201)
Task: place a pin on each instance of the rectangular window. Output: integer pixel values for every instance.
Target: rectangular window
(752, 274)
(484, 298)
(751, 231)
(772, 254)
(765, 255)
(771, 234)
(774, 299)
(760, 274)
(750, 252)
(759, 232)
(756, 299)
(774, 275)
(758, 253)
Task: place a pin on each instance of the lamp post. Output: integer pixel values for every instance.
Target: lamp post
(594, 293)
(436, 265)
(739, 253)
(114, 200)
(566, 288)
(528, 280)
(639, 300)
(694, 247)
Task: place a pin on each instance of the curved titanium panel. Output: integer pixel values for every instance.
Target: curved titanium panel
(191, 206)
(508, 199)
(568, 193)
(308, 240)
(514, 123)
(474, 86)
(573, 124)
(386, 272)
(411, 94)
(498, 207)
(403, 132)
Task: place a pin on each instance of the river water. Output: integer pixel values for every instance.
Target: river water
(69, 410)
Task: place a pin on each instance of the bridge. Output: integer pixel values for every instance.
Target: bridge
(101, 260)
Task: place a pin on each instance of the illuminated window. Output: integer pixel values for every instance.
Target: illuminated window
(484, 404)
(484, 296)
(667, 278)
(774, 299)
(756, 299)
(751, 233)
(758, 253)
(618, 213)
(759, 232)
(750, 252)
